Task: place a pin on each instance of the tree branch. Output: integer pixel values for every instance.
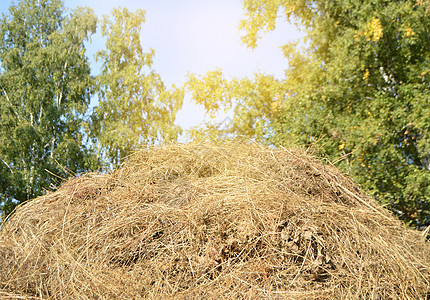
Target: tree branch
(7, 165)
(60, 96)
(10, 103)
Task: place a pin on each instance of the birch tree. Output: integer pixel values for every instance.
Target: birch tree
(45, 89)
(135, 106)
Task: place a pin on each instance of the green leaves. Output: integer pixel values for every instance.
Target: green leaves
(370, 84)
(45, 88)
(356, 91)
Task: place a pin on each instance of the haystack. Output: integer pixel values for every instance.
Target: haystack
(205, 221)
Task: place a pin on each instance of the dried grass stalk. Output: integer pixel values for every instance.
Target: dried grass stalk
(204, 221)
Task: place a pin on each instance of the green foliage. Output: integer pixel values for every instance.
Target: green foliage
(45, 88)
(356, 90)
(46, 133)
(135, 108)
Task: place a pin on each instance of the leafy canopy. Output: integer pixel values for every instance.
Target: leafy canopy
(135, 107)
(47, 132)
(45, 88)
(356, 90)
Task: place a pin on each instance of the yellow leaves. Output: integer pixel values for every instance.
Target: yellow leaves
(254, 101)
(261, 17)
(290, 8)
(357, 35)
(290, 49)
(373, 32)
(409, 32)
(276, 105)
(209, 90)
(251, 29)
(423, 73)
(366, 74)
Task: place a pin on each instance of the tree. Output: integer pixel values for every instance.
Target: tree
(357, 90)
(135, 107)
(45, 88)
(251, 100)
(46, 132)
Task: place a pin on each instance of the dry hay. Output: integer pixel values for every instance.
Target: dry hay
(203, 221)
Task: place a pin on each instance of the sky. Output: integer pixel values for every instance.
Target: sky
(196, 36)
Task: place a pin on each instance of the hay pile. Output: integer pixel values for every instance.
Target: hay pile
(202, 221)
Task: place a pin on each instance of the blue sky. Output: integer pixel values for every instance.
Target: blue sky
(195, 36)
